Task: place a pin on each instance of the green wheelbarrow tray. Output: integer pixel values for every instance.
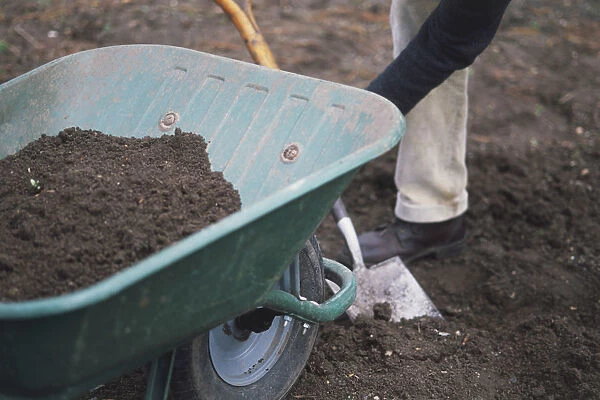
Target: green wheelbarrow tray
(290, 144)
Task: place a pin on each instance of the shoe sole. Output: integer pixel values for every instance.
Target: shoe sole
(438, 253)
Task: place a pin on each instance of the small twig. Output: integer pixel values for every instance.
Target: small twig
(464, 341)
(248, 10)
(28, 37)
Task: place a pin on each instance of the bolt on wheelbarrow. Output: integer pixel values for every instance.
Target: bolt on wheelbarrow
(290, 145)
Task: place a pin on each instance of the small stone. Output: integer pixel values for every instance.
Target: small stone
(382, 311)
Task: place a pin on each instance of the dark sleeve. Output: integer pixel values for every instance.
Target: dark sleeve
(451, 38)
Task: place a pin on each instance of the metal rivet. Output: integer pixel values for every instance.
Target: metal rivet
(290, 153)
(305, 328)
(168, 120)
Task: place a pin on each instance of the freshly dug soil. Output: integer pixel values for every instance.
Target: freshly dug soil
(521, 305)
(78, 207)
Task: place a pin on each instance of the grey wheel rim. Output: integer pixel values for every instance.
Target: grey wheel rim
(241, 363)
(244, 362)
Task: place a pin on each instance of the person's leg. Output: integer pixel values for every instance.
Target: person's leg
(431, 174)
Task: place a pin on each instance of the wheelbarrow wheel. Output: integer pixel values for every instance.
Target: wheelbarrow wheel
(261, 365)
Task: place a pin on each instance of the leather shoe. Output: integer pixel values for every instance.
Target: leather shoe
(412, 241)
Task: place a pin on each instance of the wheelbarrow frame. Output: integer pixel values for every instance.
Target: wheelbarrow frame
(251, 117)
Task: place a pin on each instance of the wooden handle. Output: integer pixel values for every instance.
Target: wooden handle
(244, 21)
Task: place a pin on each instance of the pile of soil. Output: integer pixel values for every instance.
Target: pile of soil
(78, 207)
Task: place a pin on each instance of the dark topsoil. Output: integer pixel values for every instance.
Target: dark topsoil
(78, 207)
(522, 304)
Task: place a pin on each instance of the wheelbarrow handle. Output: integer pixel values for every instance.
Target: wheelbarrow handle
(345, 225)
(310, 311)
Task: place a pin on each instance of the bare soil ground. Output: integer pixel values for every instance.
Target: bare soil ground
(522, 304)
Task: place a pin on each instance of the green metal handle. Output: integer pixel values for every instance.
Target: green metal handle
(158, 380)
(313, 312)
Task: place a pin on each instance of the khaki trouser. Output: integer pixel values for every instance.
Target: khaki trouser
(431, 175)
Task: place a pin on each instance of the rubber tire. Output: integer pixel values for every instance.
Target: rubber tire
(194, 377)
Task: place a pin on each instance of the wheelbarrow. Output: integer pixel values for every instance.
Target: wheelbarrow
(231, 311)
